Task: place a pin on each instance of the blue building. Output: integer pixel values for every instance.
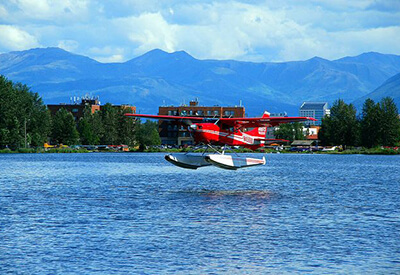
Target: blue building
(316, 110)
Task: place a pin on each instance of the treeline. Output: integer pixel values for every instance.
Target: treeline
(290, 131)
(377, 125)
(22, 111)
(26, 122)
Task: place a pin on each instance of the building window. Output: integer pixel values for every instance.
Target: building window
(229, 113)
(74, 110)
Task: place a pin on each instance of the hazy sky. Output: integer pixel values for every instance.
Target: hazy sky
(284, 30)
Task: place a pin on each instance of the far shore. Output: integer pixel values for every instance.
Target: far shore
(352, 151)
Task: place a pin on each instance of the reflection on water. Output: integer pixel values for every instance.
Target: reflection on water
(135, 213)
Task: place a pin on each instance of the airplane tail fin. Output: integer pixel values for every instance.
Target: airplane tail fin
(258, 132)
(266, 114)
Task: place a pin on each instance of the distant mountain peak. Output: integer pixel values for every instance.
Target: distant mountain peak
(181, 53)
(51, 53)
(161, 53)
(368, 57)
(156, 52)
(48, 50)
(370, 53)
(318, 59)
(158, 55)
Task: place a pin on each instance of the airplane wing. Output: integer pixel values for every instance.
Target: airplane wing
(238, 122)
(170, 118)
(261, 121)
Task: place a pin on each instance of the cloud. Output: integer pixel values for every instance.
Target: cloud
(108, 54)
(13, 38)
(68, 45)
(385, 5)
(377, 39)
(3, 12)
(148, 31)
(115, 58)
(55, 11)
(219, 29)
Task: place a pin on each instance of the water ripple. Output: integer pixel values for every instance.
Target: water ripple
(136, 213)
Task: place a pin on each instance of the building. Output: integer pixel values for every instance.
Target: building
(315, 110)
(311, 132)
(172, 133)
(77, 107)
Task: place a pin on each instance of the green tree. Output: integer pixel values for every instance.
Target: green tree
(380, 124)
(370, 124)
(89, 128)
(109, 118)
(126, 128)
(341, 127)
(147, 134)
(389, 122)
(97, 127)
(64, 128)
(38, 124)
(290, 131)
(109, 126)
(21, 111)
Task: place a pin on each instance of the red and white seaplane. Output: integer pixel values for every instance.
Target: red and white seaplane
(225, 132)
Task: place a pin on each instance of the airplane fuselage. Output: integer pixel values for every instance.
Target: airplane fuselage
(211, 133)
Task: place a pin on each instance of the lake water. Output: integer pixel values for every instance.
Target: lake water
(130, 213)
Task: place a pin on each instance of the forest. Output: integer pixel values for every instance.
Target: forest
(25, 122)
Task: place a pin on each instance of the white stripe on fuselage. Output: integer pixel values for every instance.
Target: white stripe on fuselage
(243, 138)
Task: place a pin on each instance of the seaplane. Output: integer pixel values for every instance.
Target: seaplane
(248, 132)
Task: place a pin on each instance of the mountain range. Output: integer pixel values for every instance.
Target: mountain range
(160, 78)
(390, 87)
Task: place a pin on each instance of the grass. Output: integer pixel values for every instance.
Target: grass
(369, 151)
(42, 150)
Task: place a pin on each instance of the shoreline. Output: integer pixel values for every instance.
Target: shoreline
(362, 151)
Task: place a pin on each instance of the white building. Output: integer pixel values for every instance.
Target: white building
(315, 110)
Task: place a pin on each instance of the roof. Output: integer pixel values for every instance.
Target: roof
(302, 142)
(313, 105)
(312, 137)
